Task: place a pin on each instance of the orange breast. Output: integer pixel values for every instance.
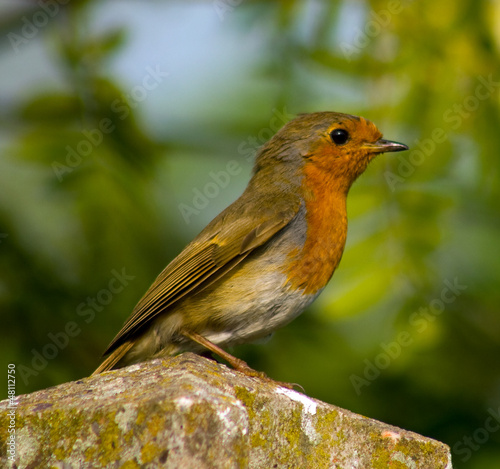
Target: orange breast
(313, 266)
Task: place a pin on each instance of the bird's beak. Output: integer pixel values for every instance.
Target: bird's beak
(383, 146)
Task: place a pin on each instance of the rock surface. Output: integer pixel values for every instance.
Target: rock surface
(190, 412)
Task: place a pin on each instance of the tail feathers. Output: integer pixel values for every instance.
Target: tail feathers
(113, 358)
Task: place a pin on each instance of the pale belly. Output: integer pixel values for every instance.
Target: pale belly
(272, 306)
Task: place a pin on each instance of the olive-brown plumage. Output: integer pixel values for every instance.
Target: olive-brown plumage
(266, 257)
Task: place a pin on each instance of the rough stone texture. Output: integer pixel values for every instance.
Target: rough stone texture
(190, 412)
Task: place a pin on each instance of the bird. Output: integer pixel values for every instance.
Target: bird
(265, 258)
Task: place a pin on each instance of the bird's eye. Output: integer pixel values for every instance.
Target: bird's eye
(339, 136)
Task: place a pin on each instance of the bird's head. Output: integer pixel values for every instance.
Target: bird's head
(340, 146)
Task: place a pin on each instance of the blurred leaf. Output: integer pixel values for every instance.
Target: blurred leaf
(55, 108)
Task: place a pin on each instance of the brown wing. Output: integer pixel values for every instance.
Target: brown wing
(203, 261)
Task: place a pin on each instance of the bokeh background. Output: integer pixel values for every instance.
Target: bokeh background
(118, 120)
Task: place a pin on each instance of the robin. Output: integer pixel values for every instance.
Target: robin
(265, 258)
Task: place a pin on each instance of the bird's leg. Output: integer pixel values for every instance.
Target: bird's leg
(236, 363)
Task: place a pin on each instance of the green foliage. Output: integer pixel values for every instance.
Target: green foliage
(87, 191)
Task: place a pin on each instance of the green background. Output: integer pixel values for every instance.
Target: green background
(115, 116)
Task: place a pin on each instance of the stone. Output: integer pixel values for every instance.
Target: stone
(191, 412)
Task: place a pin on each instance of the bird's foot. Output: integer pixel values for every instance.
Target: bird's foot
(236, 363)
(243, 367)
